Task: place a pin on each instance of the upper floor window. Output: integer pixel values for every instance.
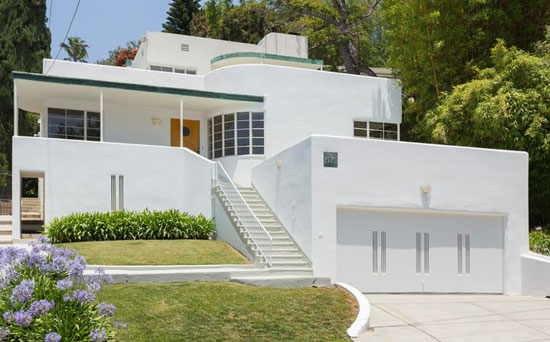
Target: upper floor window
(170, 69)
(73, 124)
(375, 130)
(240, 133)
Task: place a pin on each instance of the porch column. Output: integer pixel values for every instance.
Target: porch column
(15, 110)
(181, 121)
(101, 114)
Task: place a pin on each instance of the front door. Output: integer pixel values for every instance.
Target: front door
(190, 132)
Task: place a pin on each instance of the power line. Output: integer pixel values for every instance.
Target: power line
(66, 35)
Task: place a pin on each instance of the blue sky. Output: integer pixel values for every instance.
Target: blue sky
(104, 24)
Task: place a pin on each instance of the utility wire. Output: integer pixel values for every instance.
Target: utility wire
(64, 39)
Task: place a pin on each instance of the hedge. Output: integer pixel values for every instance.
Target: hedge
(128, 225)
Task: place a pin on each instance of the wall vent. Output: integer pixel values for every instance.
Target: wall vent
(185, 47)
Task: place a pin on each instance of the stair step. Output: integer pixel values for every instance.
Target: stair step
(283, 281)
(300, 263)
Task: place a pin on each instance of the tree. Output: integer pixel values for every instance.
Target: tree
(247, 23)
(506, 106)
(340, 24)
(76, 49)
(250, 22)
(121, 54)
(435, 45)
(180, 15)
(24, 42)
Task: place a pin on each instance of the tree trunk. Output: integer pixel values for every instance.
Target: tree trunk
(351, 60)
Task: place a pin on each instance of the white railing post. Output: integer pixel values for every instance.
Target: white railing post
(15, 110)
(261, 239)
(101, 116)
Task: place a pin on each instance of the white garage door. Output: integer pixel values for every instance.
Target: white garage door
(403, 251)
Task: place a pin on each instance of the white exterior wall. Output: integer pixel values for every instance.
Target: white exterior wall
(164, 49)
(77, 176)
(535, 270)
(383, 174)
(301, 102)
(121, 75)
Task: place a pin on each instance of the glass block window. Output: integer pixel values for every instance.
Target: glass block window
(240, 133)
(73, 124)
(375, 130)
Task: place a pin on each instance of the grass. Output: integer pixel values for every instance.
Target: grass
(215, 311)
(157, 252)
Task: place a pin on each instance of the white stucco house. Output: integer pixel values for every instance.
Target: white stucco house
(303, 169)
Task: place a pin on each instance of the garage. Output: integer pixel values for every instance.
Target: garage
(391, 250)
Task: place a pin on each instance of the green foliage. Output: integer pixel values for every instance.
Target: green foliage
(506, 107)
(127, 225)
(539, 242)
(347, 33)
(77, 49)
(247, 23)
(435, 45)
(24, 42)
(180, 15)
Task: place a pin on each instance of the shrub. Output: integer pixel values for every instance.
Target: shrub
(539, 241)
(128, 225)
(43, 297)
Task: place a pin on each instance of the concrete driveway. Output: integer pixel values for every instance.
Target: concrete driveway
(472, 318)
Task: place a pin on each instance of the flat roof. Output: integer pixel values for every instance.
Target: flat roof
(136, 87)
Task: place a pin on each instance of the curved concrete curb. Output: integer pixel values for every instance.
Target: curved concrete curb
(362, 322)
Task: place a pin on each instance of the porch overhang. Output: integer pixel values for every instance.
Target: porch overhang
(34, 89)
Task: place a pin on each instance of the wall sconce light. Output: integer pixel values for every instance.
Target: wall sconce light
(279, 163)
(156, 121)
(426, 195)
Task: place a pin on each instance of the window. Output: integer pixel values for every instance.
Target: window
(422, 252)
(463, 251)
(375, 248)
(375, 130)
(73, 124)
(170, 69)
(240, 133)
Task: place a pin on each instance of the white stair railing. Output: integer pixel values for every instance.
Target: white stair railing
(261, 239)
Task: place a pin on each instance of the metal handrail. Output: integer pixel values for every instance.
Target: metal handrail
(260, 237)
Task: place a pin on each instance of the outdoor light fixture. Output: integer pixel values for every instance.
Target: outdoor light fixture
(156, 121)
(426, 195)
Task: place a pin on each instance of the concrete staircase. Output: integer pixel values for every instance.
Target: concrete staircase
(5, 230)
(289, 266)
(31, 209)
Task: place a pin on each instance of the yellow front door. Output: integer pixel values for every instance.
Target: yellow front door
(190, 133)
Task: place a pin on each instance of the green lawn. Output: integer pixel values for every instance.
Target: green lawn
(215, 311)
(157, 252)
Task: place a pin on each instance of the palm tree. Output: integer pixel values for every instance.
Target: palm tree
(76, 49)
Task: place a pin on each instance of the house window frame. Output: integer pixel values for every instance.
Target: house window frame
(85, 117)
(368, 129)
(211, 139)
(186, 70)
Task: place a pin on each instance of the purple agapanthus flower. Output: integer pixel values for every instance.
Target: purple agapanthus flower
(43, 239)
(106, 309)
(119, 325)
(22, 293)
(52, 337)
(98, 335)
(4, 332)
(8, 316)
(64, 284)
(81, 296)
(76, 266)
(22, 318)
(41, 307)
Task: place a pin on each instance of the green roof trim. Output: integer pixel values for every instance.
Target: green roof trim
(135, 87)
(267, 56)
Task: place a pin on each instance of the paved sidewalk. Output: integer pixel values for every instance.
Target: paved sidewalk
(453, 318)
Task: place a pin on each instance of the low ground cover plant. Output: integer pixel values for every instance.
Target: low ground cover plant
(44, 297)
(129, 225)
(539, 241)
